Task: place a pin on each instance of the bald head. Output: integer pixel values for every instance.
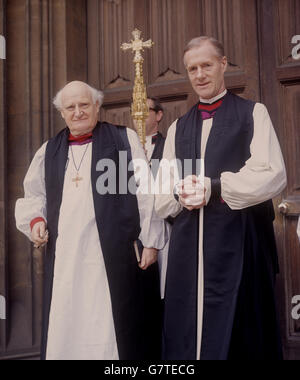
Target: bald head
(77, 87)
(79, 105)
(73, 89)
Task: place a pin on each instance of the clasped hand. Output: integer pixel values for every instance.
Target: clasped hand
(191, 192)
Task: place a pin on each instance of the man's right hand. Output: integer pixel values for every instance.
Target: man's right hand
(39, 235)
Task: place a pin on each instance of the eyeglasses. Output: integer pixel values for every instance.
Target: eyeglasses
(156, 110)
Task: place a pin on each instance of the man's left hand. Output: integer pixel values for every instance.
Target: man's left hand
(149, 257)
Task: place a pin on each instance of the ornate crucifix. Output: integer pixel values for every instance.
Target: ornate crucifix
(139, 109)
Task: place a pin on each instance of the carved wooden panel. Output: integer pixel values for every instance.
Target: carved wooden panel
(290, 100)
(280, 76)
(118, 116)
(287, 13)
(166, 17)
(108, 66)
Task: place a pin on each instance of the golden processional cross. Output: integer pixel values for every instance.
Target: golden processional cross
(139, 109)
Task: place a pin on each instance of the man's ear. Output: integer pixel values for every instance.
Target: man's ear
(159, 116)
(224, 63)
(62, 114)
(98, 106)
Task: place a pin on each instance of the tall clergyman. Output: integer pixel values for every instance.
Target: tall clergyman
(99, 302)
(219, 301)
(154, 148)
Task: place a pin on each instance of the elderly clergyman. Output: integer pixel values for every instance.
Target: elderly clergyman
(219, 301)
(101, 299)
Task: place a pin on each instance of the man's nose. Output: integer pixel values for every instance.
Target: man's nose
(77, 111)
(200, 73)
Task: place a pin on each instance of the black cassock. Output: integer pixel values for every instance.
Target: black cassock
(157, 153)
(239, 253)
(135, 294)
(159, 147)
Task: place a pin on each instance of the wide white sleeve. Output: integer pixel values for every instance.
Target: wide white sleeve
(33, 205)
(167, 177)
(153, 230)
(264, 176)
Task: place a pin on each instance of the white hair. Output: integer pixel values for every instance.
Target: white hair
(97, 97)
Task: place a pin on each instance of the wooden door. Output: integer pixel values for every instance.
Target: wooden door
(51, 42)
(170, 24)
(279, 22)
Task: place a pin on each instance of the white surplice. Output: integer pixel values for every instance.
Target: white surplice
(262, 178)
(81, 323)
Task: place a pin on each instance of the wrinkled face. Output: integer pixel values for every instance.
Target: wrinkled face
(153, 119)
(78, 109)
(206, 70)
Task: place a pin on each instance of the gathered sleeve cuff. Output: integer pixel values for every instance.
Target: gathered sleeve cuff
(35, 221)
(154, 233)
(33, 207)
(264, 175)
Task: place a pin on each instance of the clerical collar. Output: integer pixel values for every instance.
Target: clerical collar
(153, 138)
(215, 99)
(80, 140)
(210, 107)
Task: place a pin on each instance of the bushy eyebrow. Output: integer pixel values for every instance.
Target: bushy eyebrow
(68, 105)
(199, 64)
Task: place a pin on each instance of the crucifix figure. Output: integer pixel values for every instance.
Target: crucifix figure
(139, 109)
(137, 45)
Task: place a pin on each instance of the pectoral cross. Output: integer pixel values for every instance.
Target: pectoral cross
(77, 180)
(137, 45)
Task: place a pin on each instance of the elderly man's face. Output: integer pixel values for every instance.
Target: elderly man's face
(78, 109)
(206, 71)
